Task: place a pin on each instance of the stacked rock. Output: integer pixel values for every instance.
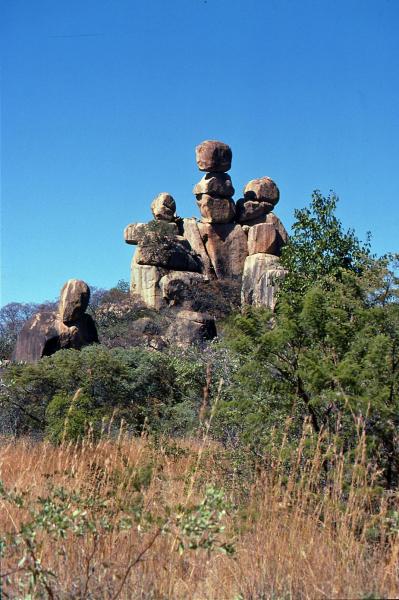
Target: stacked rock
(260, 197)
(266, 237)
(231, 241)
(68, 327)
(166, 266)
(222, 243)
(215, 191)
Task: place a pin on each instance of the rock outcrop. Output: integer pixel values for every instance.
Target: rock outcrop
(231, 242)
(68, 327)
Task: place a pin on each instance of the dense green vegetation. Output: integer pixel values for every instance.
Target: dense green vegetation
(328, 356)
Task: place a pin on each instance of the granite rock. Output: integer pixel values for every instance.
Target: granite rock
(212, 155)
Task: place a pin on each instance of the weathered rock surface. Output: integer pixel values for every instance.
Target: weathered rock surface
(74, 300)
(144, 280)
(216, 210)
(212, 155)
(263, 190)
(134, 232)
(275, 221)
(264, 238)
(176, 255)
(175, 284)
(261, 277)
(218, 185)
(163, 207)
(192, 235)
(191, 327)
(227, 248)
(45, 333)
(249, 211)
(232, 240)
(49, 331)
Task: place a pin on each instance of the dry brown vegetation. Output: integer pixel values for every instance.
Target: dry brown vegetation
(134, 518)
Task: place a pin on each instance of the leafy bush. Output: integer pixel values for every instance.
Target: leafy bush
(330, 352)
(136, 385)
(70, 417)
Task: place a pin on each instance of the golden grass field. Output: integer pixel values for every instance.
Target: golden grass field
(123, 518)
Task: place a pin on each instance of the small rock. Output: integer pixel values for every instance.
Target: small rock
(263, 190)
(216, 184)
(163, 207)
(216, 210)
(212, 155)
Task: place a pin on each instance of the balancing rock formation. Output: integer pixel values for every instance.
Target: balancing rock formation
(232, 241)
(69, 327)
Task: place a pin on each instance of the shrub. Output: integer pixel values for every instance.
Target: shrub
(70, 417)
(135, 384)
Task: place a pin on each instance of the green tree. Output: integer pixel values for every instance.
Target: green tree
(133, 384)
(319, 246)
(330, 352)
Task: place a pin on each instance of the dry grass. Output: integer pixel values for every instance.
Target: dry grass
(293, 536)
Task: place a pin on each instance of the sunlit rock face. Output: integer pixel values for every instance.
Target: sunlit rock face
(68, 327)
(236, 241)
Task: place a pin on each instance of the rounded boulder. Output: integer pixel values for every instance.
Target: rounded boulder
(212, 155)
(263, 189)
(163, 207)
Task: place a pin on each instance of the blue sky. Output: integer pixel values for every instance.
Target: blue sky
(103, 102)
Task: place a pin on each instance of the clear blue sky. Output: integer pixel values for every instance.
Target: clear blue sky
(103, 103)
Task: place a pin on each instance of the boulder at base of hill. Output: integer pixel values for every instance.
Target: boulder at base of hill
(175, 285)
(189, 327)
(45, 333)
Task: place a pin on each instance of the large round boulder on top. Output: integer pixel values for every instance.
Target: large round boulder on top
(263, 190)
(74, 300)
(212, 155)
(163, 207)
(215, 184)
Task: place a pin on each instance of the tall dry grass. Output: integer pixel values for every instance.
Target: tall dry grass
(303, 531)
